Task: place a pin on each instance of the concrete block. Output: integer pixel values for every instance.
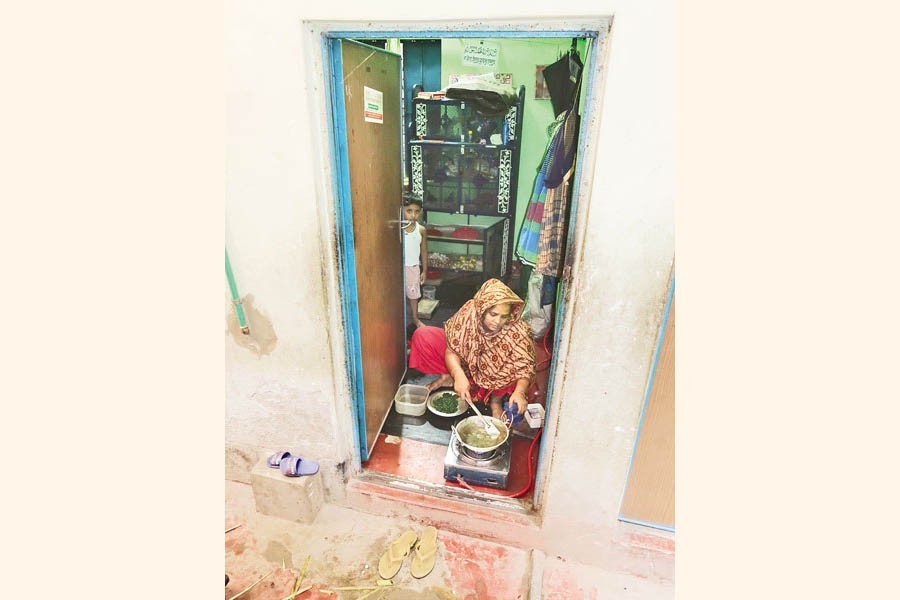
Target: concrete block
(293, 498)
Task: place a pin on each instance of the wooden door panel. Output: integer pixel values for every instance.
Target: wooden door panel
(373, 151)
(650, 496)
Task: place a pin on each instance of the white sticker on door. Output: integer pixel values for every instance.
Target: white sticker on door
(373, 105)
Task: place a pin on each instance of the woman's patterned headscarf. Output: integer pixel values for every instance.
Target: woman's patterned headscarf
(493, 359)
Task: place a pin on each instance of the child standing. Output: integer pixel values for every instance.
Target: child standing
(415, 251)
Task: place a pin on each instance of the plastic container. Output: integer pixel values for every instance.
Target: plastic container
(410, 399)
(534, 416)
(428, 291)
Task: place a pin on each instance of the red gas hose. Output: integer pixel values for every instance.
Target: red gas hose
(530, 483)
(537, 436)
(524, 490)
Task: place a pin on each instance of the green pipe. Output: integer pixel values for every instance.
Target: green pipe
(235, 297)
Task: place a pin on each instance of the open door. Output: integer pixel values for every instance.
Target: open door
(650, 493)
(367, 129)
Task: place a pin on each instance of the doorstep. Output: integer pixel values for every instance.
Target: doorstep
(493, 518)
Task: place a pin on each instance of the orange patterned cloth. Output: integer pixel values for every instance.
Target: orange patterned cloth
(493, 360)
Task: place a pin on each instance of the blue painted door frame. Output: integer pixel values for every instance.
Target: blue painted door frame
(346, 264)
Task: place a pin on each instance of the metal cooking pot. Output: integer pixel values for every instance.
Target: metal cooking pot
(470, 423)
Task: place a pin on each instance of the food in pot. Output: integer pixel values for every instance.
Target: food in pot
(476, 435)
(447, 402)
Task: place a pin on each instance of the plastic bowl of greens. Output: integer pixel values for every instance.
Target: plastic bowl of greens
(446, 403)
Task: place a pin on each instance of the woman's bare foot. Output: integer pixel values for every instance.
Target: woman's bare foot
(497, 408)
(443, 381)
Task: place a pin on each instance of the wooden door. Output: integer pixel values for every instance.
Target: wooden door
(650, 495)
(367, 109)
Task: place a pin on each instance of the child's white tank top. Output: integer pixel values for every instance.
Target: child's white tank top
(412, 246)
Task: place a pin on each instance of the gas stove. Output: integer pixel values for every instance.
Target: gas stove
(488, 469)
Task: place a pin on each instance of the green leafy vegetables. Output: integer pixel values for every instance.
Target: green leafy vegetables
(446, 403)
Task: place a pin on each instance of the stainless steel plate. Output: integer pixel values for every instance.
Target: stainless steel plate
(461, 406)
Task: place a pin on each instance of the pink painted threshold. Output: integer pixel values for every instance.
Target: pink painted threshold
(424, 462)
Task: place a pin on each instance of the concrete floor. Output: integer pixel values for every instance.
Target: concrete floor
(344, 545)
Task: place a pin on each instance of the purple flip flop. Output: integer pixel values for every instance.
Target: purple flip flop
(274, 461)
(294, 466)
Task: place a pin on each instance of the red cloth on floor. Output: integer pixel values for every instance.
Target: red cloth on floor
(426, 350)
(426, 354)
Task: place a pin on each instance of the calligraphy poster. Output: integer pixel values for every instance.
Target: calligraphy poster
(480, 54)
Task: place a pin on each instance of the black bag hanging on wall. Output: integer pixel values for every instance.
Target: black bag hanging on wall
(562, 79)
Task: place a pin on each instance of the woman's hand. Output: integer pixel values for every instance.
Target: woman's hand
(454, 367)
(519, 398)
(461, 387)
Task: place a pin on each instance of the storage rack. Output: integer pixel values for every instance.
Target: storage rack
(456, 169)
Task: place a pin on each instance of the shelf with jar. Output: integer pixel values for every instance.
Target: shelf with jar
(469, 247)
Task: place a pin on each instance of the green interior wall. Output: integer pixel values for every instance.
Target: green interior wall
(518, 56)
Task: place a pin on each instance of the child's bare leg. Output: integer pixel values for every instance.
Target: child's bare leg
(497, 407)
(414, 305)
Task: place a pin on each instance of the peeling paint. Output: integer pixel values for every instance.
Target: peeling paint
(561, 585)
(484, 570)
(652, 542)
(262, 339)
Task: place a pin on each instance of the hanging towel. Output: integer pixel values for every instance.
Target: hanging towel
(529, 232)
(547, 212)
(551, 240)
(565, 142)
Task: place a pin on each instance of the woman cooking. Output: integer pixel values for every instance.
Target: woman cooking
(484, 350)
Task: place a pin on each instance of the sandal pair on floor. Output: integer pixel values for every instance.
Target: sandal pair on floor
(292, 466)
(424, 551)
